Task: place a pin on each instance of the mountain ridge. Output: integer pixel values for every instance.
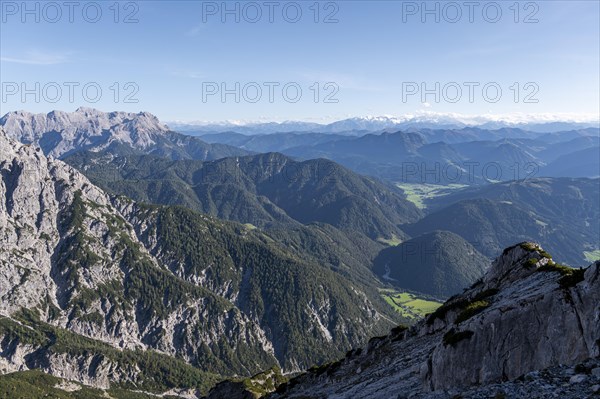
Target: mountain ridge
(61, 133)
(89, 272)
(260, 189)
(427, 120)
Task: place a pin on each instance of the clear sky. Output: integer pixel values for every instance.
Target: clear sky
(361, 57)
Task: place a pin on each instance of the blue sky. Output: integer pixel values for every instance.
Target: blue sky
(372, 57)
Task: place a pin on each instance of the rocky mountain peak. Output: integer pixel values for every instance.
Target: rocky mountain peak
(87, 111)
(59, 132)
(525, 315)
(516, 263)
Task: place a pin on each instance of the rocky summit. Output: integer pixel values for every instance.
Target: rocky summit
(529, 328)
(60, 133)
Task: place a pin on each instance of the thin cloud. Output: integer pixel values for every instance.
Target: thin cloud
(195, 31)
(37, 58)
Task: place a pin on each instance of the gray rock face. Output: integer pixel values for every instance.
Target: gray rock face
(525, 314)
(36, 196)
(60, 133)
(532, 324)
(90, 264)
(34, 190)
(564, 382)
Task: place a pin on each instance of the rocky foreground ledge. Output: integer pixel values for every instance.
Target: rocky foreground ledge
(529, 328)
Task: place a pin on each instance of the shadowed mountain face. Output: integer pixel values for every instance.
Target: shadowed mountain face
(581, 163)
(438, 263)
(554, 151)
(61, 133)
(562, 213)
(482, 222)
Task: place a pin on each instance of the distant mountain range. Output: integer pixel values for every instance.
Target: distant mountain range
(561, 212)
(409, 157)
(353, 126)
(428, 155)
(276, 142)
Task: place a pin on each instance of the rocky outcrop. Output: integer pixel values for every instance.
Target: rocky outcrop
(248, 388)
(526, 314)
(532, 323)
(63, 247)
(58, 132)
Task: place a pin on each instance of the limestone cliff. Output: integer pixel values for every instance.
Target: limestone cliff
(526, 314)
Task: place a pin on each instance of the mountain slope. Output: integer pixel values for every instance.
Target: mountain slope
(69, 253)
(554, 151)
(408, 157)
(439, 263)
(526, 314)
(274, 142)
(96, 275)
(502, 160)
(263, 190)
(582, 163)
(61, 133)
(484, 223)
(383, 148)
(561, 213)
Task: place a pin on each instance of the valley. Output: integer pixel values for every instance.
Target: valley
(409, 305)
(419, 193)
(153, 269)
(299, 200)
